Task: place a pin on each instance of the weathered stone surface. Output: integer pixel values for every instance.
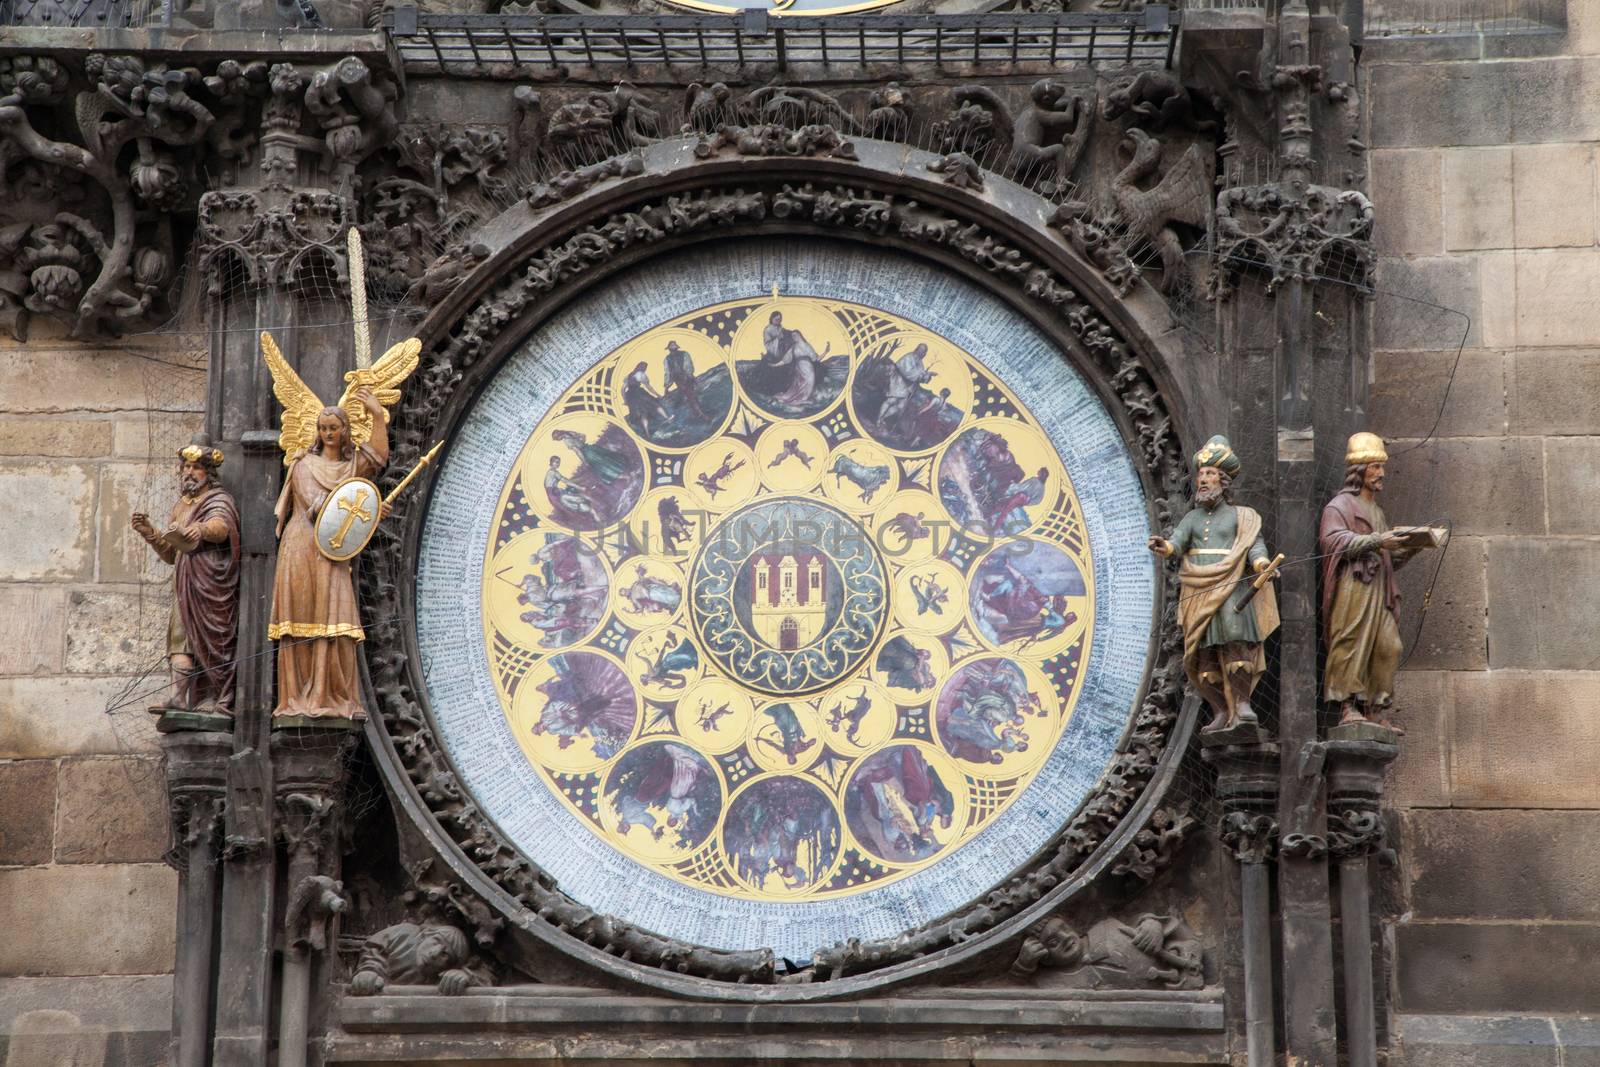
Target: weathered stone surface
(52, 1037)
(1409, 387)
(1476, 190)
(1525, 739)
(27, 807)
(1541, 603)
(1554, 201)
(1479, 485)
(54, 437)
(32, 624)
(1484, 103)
(1555, 305)
(1579, 1038)
(1464, 107)
(45, 717)
(1553, 392)
(1497, 967)
(1497, 285)
(111, 811)
(1572, 465)
(93, 919)
(1444, 608)
(47, 524)
(155, 435)
(1429, 303)
(1419, 776)
(114, 632)
(42, 379)
(1476, 1041)
(112, 1004)
(124, 489)
(1405, 191)
(1583, 29)
(1523, 864)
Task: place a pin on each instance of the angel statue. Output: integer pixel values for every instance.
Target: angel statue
(314, 615)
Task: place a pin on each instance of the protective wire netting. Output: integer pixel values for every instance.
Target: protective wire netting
(219, 297)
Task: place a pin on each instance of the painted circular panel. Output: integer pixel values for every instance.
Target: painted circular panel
(808, 610)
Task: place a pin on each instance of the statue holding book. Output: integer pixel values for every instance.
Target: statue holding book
(1360, 598)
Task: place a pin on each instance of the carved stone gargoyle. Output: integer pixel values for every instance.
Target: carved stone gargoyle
(1156, 951)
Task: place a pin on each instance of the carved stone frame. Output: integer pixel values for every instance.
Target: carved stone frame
(539, 258)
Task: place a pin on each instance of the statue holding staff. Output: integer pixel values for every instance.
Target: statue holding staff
(201, 543)
(1360, 598)
(1224, 620)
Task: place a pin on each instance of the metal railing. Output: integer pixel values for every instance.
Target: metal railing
(460, 44)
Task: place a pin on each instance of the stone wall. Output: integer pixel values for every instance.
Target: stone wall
(86, 905)
(1484, 174)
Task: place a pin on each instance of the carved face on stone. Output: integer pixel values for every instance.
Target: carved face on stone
(1372, 478)
(1057, 943)
(435, 953)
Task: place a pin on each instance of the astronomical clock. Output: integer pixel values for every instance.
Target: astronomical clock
(784, 592)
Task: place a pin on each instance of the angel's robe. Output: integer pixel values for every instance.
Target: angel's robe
(315, 619)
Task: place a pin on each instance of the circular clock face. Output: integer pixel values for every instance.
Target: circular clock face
(780, 593)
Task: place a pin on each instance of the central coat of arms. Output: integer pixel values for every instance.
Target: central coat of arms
(789, 595)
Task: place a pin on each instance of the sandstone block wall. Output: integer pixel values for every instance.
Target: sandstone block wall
(1484, 172)
(86, 905)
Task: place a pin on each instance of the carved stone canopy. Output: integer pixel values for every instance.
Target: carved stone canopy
(533, 260)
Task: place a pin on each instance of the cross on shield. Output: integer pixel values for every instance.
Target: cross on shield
(347, 519)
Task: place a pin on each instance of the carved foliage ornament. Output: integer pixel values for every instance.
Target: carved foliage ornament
(142, 131)
(567, 262)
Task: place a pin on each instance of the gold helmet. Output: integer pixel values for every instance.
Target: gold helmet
(1364, 448)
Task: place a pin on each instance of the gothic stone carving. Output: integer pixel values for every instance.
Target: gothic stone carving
(409, 954)
(1045, 140)
(651, 221)
(1156, 844)
(1251, 837)
(316, 900)
(1155, 951)
(774, 139)
(1285, 233)
(102, 269)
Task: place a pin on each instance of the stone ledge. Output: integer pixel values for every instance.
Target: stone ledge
(1485, 1040)
(536, 1025)
(419, 1009)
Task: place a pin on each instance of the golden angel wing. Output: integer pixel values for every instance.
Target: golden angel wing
(300, 405)
(384, 378)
